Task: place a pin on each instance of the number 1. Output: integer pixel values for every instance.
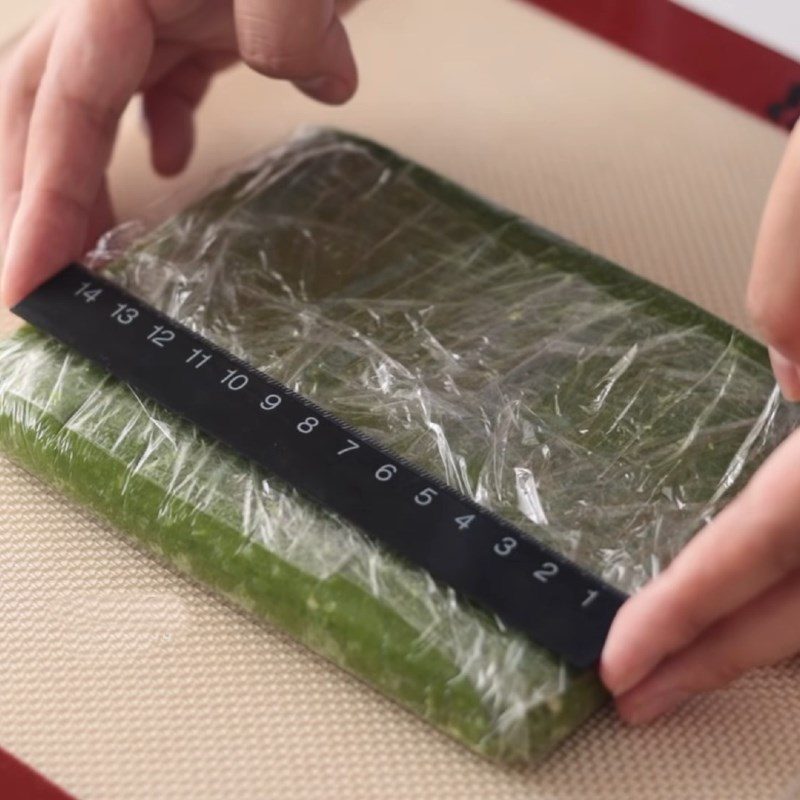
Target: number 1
(590, 598)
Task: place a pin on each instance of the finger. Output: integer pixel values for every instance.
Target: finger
(764, 632)
(169, 108)
(787, 373)
(22, 71)
(99, 54)
(751, 545)
(101, 219)
(773, 293)
(302, 41)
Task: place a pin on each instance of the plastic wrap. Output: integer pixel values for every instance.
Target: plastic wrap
(601, 413)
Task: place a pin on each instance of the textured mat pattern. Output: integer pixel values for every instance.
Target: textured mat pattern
(120, 679)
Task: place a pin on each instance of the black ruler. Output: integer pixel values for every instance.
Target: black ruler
(483, 557)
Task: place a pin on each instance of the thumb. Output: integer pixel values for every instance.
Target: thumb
(302, 41)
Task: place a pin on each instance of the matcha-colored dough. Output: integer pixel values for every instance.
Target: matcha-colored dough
(599, 412)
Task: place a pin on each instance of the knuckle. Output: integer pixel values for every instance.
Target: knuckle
(98, 117)
(775, 546)
(718, 673)
(680, 620)
(687, 619)
(65, 201)
(781, 550)
(290, 54)
(275, 61)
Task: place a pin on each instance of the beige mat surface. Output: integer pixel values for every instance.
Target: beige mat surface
(120, 679)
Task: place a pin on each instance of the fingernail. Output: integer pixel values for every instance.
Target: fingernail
(617, 683)
(655, 705)
(327, 88)
(619, 668)
(787, 374)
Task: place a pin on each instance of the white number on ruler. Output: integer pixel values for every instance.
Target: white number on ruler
(425, 497)
(351, 445)
(590, 598)
(270, 402)
(124, 314)
(546, 571)
(87, 293)
(386, 472)
(198, 357)
(161, 336)
(505, 546)
(465, 521)
(235, 380)
(307, 425)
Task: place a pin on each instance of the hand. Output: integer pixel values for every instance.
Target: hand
(774, 290)
(731, 600)
(66, 82)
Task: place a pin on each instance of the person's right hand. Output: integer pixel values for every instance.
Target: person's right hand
(66, 82)
(730, 601)
(773, 293)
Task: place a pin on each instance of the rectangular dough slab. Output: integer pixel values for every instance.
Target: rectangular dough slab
(601, 413)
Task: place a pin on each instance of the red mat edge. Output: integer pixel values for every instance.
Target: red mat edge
(704, 52)
(18, 781)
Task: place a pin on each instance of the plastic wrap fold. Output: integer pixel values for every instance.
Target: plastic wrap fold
(601, 413)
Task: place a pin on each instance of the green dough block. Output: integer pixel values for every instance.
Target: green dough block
(596, 411)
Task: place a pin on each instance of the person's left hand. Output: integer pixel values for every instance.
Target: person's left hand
(65, 83)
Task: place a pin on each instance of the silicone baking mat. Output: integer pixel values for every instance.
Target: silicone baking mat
(122, 680)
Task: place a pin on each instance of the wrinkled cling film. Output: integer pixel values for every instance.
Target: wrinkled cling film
(600, 413)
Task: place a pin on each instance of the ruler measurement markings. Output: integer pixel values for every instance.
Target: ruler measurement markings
(484, 557)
